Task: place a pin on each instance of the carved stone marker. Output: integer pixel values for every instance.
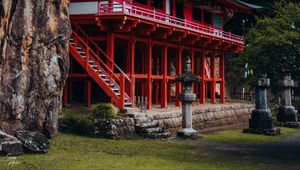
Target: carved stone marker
(261, 121)
(287, 112)
(187, 97)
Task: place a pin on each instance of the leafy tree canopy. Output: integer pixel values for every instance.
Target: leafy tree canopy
(273, 44)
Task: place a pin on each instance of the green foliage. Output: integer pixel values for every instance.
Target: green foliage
(105, 111)
(76, 122)
(273, 45)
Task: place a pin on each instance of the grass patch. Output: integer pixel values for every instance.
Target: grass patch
(237, 137)
(77, 152)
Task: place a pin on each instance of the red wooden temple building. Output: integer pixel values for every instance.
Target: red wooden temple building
(120, 49)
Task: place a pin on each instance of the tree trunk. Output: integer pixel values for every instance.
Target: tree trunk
(34, 63)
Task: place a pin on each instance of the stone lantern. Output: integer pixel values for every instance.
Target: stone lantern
(187, 97)
(287, 112)
(261, 121)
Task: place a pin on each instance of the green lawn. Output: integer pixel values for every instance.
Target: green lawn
(236, 137)
(77, 152)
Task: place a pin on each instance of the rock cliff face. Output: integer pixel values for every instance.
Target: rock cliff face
(34, 36)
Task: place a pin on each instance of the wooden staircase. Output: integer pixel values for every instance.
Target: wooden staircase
(101, 72)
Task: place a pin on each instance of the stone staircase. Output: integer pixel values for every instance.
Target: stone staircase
(148, 128)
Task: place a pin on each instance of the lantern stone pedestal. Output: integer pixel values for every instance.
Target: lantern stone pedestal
(261, 121)
(187, 97)
(287, 114)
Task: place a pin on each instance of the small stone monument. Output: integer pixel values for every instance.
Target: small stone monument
(261, 121)
(187, 97)
(287, 114)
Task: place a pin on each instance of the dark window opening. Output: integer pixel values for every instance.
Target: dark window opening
(157, 4)
(179, 10)
(197, 14)
(144, 2)
(207, 18)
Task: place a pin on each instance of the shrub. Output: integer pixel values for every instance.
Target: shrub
(105, 111)
(77, 123)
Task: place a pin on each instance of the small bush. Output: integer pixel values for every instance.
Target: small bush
(78, 123)
(105, 111)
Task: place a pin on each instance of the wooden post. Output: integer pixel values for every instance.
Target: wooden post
(132, 90)
(110, 49)
(203, 80)
(149, 80)
(179, 72)
(222, 84)
(164, 83)
(213, 79)
(131, 58)
(122, 91)
(88, 88)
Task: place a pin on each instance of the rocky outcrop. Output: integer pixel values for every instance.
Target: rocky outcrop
(34, 63)
(10, 145)
(33, 142)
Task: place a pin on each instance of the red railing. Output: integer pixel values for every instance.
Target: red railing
(102, 67)
(98, 50)
(128, 8)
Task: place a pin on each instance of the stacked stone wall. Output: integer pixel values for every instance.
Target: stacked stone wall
(209, 119)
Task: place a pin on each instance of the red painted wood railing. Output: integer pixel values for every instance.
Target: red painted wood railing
(120, 7)
(102, 68)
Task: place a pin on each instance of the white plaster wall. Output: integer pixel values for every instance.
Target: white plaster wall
(83, 8)
(168, 7)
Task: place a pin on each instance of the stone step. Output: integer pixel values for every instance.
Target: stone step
(142, 120)
(155, 130)
(136, 114)
(163, 135)
(152, 124)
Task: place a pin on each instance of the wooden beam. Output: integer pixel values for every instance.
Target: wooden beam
(149, 80)
(203, 82)
(179, 72)
(213, 82)
(222, 83)
(110, 49)
(164, 83)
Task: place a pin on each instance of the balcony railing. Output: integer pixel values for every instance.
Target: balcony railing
(123, 7)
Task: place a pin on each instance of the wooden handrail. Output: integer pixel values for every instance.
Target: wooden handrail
(100, 50)
(126, 7)
(94, 55)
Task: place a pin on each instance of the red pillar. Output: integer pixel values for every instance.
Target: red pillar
(131, 69)
(174, 8)
(65, 94)
(203, 80)
(149, 80)
(88, 87)
(110, 49)
(213, 79)
(222, 84)
(132, 90)
(164, 83)
(178, 72)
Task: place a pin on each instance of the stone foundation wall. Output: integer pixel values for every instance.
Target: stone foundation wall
(209, 119)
